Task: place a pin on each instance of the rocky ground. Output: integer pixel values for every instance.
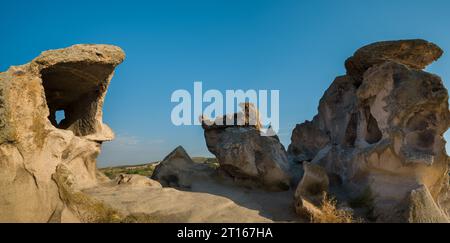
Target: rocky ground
(212, 199)
(207, 201)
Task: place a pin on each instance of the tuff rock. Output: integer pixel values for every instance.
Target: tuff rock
(415, 54)
(313, 186)
(314, 183)
(179, 170)
(243, 153)
(136, 181)
(43, 163)
(380, 129)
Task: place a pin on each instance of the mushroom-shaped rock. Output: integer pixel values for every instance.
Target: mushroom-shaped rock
(33, 144)
(383, 134)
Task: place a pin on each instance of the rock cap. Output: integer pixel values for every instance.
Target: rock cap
(415, 53)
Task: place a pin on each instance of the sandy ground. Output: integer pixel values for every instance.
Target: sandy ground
(208, 201)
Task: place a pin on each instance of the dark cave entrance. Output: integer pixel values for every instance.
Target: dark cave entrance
(373, 132)
(72, 92)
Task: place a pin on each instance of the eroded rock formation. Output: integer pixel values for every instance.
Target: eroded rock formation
(179, 170)
(42, 162)
(380, 129)
(243, 153)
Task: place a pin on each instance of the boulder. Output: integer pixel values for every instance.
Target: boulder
(244, 154)
(33, 144)
(384, 133)
(423, 209)
(415, 54)
(179, 170)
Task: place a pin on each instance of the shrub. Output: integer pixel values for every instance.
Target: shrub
(331, 214)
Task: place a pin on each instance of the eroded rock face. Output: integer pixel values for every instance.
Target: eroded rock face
(311, 190)
(385, 130)
(33, 144)
(244, 154)
(314, 183)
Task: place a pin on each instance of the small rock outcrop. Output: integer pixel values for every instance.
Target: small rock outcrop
(314, 183)
(136, 181)
(380, 129)
(423, 208)
(311, 190)
(179, 170)
(243, 153)
(43, 162)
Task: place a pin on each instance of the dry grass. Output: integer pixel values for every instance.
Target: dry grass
(331, 214)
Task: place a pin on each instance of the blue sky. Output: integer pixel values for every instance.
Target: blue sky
(295, 46)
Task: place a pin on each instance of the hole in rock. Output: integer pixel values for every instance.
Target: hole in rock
(422, 131)
(351, 132)
(373, 133)
(447, 138)
(59, 116)
(72, 91)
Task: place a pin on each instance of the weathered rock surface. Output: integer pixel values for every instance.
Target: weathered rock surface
(311, 190)
(314, 183)
(33, 145)
(383, 133)
(178, 170)
(244, 154)
(136, 181)
(209, 199)
(423, 208)
(169, 205)
(415, 54)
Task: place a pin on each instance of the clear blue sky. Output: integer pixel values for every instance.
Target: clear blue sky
(295, 46)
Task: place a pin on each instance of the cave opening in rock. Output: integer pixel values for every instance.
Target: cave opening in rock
(351, 131)
(421, 131)
(59, 117)
(373, 133)
(72, 92)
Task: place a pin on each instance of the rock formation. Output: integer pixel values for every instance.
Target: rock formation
(314, 182)
(43, 162)
(136, 181)
(178, 170)
(380, 129)
(243, 153)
